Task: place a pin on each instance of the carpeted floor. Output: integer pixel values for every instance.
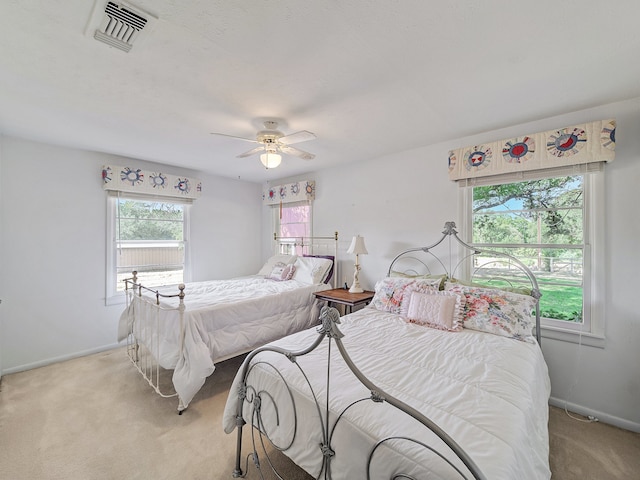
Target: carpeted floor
(95, 418)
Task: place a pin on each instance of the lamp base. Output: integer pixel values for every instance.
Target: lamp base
(355, 286)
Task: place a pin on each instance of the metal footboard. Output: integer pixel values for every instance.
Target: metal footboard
(253, 398)
(146, 331)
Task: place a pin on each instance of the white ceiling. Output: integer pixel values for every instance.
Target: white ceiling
(367, 77)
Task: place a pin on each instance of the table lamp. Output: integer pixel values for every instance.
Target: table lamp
(357, 247)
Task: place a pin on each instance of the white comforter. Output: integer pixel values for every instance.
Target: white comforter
(489, 393)
(222, 318)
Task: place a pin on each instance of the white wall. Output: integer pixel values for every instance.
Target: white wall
(403, 200)
(53, 237)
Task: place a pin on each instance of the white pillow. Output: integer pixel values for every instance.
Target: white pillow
(267, 268)
(311, 270)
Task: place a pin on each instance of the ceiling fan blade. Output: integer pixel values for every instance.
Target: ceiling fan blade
(297, 137)
(237, 138)
(297, 152)
(253, 151)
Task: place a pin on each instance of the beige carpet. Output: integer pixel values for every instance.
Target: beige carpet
(95, 418)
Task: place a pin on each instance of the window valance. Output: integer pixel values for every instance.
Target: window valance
(575, 145)
(149, 182)
(303, 190)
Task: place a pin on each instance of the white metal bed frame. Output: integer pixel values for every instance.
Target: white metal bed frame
(141, 355)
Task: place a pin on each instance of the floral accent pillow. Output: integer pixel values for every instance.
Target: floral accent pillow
(436, 309)
(498, 312)
(390, 291)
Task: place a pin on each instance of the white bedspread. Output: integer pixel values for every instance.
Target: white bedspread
(489, 393)
(222, 318)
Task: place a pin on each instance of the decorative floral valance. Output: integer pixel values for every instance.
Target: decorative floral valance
(149, 182)
(585, 143)
(301, 191)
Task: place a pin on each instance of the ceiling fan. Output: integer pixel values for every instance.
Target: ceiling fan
(273, 143)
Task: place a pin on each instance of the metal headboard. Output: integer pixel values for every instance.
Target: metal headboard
(467, 262)
(314, 245)
(327, 245)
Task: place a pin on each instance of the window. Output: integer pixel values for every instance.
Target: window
(551, 224)
(293, 220)
(148, 236)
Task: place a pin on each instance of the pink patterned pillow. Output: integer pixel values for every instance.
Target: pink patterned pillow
(390, 291)
(436, 309)
(288, 272)
(282, 272)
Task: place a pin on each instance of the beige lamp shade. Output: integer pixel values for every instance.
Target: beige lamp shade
(357, 246)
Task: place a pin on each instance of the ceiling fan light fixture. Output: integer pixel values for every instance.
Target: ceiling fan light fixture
(272, 144)
(270, 160)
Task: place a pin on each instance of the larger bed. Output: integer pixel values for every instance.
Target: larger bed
(207, 322)
(373, 395)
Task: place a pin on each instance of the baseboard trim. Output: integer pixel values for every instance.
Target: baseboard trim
(49, 361)
(601, 416)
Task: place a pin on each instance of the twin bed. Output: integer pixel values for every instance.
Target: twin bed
(205, 323)
(435, 379)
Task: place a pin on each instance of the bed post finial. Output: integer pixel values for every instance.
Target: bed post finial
(330, 317)
(450, 228)
(181, 287)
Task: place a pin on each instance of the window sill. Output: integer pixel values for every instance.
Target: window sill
(573, 336)
(117, 299)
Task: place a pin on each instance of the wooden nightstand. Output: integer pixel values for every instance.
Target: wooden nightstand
(342, 296)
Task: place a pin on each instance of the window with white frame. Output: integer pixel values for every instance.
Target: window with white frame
(147, 235)
(293, 220)
(554, 225)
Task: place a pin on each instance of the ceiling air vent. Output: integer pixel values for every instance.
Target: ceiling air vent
(118, 24)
